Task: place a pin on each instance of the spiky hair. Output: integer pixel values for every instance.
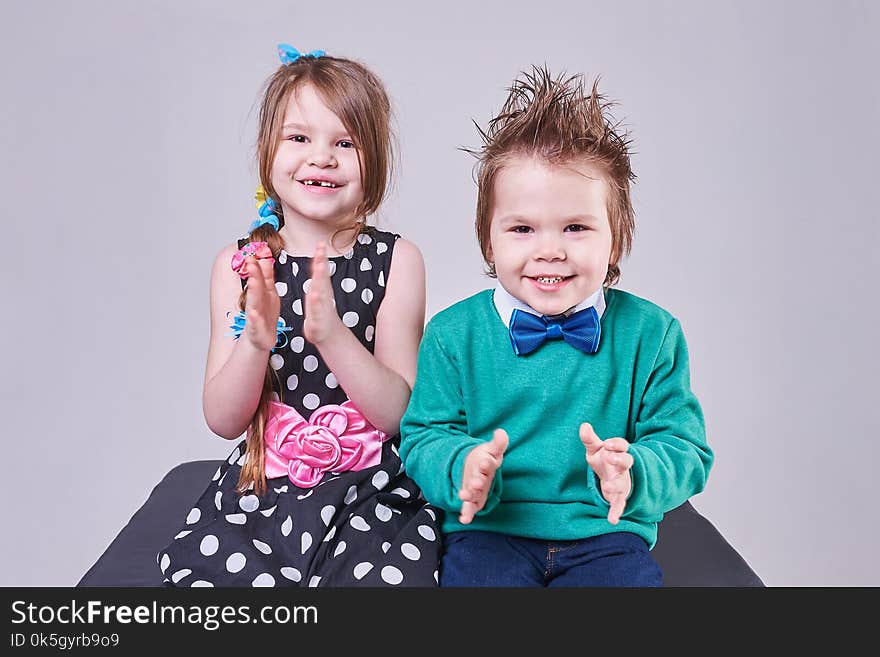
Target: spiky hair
(555, 119)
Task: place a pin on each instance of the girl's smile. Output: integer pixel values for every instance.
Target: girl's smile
(319, 185)
(316, 171)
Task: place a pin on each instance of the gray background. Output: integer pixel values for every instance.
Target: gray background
(127, 130)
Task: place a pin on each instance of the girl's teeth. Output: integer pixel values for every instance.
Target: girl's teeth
(549, 281)
(320, 183)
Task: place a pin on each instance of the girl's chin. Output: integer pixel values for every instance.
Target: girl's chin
(334, 219)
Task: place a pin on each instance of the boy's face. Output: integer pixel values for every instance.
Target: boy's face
(549, 236)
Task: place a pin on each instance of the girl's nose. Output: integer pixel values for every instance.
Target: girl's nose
(321, 156)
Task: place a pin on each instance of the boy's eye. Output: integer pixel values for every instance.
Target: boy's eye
(345, 143)
(521, 229)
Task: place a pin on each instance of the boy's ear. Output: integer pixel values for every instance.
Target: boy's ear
(614, 256)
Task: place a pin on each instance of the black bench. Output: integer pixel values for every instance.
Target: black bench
(689, 549)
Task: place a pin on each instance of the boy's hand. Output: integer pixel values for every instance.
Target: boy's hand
(262, 304)
(479, 471)
(611, 463)
(321, 318)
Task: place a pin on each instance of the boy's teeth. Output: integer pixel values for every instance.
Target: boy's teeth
(549, 280)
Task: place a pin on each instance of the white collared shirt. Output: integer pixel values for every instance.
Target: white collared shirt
(505, 303)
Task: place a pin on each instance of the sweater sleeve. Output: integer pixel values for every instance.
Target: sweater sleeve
(671, 458)
(434, 439)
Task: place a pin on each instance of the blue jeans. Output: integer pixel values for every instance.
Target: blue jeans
(479, 558)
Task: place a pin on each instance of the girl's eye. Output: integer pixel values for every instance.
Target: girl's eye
(300, 139)
(575, 228)
(521, 229)
(345, 144)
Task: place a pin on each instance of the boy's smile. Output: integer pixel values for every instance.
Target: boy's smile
(550, 238)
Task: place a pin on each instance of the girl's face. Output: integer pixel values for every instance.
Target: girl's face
(549, 236)
(316, 172)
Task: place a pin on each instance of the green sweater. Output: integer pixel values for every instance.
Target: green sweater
(637, 386)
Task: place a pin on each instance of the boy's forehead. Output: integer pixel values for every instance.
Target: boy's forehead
(533, 188)
(535, 165)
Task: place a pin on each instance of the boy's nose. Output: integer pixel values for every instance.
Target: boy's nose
(550, 250)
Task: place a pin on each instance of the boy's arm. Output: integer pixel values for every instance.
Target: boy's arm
(434, 440)
(671, 459)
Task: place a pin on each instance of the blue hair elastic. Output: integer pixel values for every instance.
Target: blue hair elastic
(267, 218)
(237, 327)
(266, 209)
(288, 54)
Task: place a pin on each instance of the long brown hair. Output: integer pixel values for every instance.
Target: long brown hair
(556, 120)
(358, 98)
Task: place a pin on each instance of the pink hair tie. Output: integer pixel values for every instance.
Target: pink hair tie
(259, 250)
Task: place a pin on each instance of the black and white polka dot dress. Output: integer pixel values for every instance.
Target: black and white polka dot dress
(370, 527)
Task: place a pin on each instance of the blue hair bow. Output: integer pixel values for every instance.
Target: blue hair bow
(267, 215)
(289, 54)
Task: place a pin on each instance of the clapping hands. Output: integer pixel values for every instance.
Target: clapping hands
(611, 463)
(262, 304)
(321, 319)
(479, 470)
(607, 458)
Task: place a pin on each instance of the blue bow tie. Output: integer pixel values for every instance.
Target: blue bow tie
(580, 330)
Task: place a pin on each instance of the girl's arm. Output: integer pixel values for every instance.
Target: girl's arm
(379, 384)
(236, 369)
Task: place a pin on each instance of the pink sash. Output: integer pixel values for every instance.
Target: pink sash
(335, 438)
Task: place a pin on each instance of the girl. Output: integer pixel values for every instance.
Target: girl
(330, 312)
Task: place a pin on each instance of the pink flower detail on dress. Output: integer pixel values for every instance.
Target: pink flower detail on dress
(336, 438)
(259, 250)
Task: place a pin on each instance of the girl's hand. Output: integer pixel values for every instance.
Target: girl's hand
(479, 471)
(321, 319)
(611, 463)
(262, 305)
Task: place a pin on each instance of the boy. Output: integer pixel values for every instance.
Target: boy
(518, 386)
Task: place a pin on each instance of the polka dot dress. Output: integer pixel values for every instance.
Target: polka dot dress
(366, 528)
